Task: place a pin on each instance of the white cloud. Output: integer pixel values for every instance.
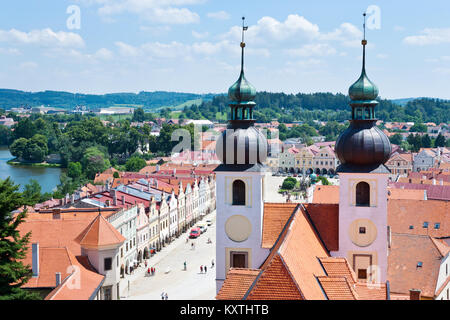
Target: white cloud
(200, 35)
(382, 56)
(10, 51)
(347, 34)
(127, 50)
(45, 37)
(316, 49)
(28, 65)
(219, 15)
(429, 36)
(155, 11)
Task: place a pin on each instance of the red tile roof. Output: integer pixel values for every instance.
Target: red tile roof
(405, 213)
(237, 283)
(326, 220)
(403, 271)
(275, 217)
(99, 233)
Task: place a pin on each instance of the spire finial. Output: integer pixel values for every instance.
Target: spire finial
(244, 28)
(364, 42)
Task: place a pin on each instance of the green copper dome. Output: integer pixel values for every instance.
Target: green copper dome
(363, 89)
(242, 90)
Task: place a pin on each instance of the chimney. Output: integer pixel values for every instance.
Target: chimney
(56, 214)
(441, 182)
(123, 200)
(72, 198)
(114, 196)
(414, 294)
(58, 278)
(35, 259)
(108, 203)
(434, 181)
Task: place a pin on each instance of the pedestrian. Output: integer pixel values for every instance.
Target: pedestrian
(212, 263)
(167, 297)
(201, 269)
(185, 265)
(162, 295)
(206, 269)
(148, 271)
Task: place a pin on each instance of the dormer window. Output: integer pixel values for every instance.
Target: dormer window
(437, 225)
(425, 224)
(419, 264)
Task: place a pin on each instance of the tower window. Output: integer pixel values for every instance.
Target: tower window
(238, 193)
(362, 230)
(238, 259)
(363, 194)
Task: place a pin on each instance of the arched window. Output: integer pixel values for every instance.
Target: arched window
(363, 194)
(238, 193)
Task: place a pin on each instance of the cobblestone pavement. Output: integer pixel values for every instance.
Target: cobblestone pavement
(170, 276)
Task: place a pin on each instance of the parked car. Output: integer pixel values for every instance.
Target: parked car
(209, 222)
(202, 227)
(195, 233)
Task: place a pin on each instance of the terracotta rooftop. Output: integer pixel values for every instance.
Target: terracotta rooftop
(409, 216)
(325, 218)
(337, 288)
(237, 283)
(404, 270)
(275, 217)
(326, 194)
(406, 194)
(99, 233)
(435, 192)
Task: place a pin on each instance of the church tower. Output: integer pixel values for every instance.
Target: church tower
(362, 150)
(242, 149)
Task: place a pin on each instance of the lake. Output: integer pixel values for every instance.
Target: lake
(48, 178)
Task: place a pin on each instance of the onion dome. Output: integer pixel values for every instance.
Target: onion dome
(242, 146)
(363, 89)
(363, 147)
(363, 144)
(242, 90)
(241, 143)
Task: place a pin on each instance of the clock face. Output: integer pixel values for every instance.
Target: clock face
(362, 232)
(238, 228)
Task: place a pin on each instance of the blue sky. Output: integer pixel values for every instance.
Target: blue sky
(193, 46)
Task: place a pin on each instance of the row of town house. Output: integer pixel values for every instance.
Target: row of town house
(311, 159)
(106, 234)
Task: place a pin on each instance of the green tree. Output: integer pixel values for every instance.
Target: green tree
(418, 127)
(18, 147)
(289, 183)
(94, 161)
(138, 115)
(74, 170)
(426, 141)
(13, 246)
(440, 141)
(32, 193)
(134, 164)
(396, 139)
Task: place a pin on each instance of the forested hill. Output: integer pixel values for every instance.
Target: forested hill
(59, 99)
(281, 106)
(325, 107)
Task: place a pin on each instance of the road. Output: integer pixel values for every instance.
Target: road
(178, 284)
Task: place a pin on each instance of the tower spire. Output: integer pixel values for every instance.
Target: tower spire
(364, 43)
(244, 28)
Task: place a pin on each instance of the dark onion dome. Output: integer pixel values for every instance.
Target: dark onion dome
(242, 90)
(239, 146)
(363, 147)
(363, 144)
